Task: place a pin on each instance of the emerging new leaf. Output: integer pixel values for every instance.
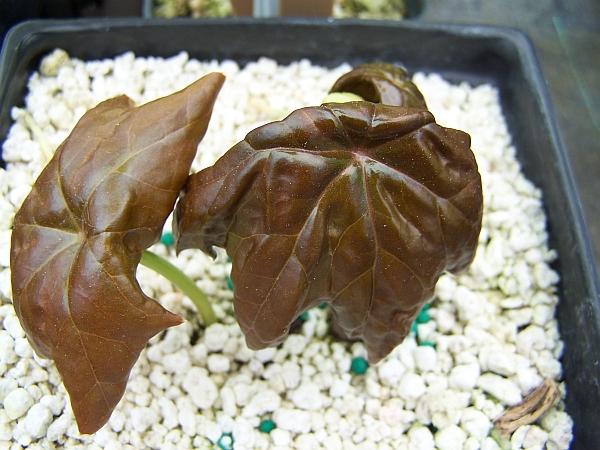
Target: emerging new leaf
(79, 235)
(360, 205)
(381, 83)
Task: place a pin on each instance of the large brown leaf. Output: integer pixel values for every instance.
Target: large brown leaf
(381, 83)
(79, 235)
(360, 205)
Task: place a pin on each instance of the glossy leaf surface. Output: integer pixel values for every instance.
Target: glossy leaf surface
(79, 235)
(360, 205)
(381, 83)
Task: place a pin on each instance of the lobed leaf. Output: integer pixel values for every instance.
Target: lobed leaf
(381, 83)
(78, 237)
(360, 205)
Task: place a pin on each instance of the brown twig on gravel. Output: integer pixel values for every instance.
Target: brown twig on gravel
(534, 406)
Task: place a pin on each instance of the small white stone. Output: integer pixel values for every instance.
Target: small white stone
(295, 344)
(475, 423)
(290, 372)
(143, 418)
(392, 413)
(22, 348)
(528, 379)
(420, 438)
(17, 402)
(52, 62)
(215, 337)
(338, 388)
(531, 339)
(559, 426)
(55, 403)
(202, 389)
(489, 444)
(177, 362)
(37, 421)
(281, 438)
(266, 354)
(535, 438)
(498, 360)
(450, 438)
(293, 420)
(169, 412)
(332, 442)
(518, 436)
(307, 396)
(471, 444)
(186, 416)
(411, 386)
(264, 401)
(218, 363)
(13, 326)
(243, 435)
(5, 434)
(20, 434)
(425, 358)
(504, 390)
(390, 371)
(6, 386)
(464, 376)
(8, 355)
(198, 353)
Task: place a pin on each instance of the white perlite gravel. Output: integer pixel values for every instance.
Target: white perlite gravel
(494, 329)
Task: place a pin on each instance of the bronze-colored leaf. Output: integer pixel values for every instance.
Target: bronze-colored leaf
(381, 83)
(79, 235)
(360, 205)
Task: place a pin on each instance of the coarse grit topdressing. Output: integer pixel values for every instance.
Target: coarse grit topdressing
(488, 338)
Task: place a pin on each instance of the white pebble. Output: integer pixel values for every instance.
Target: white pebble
(420, 438)
(37, 420)
(281, 438)
(464, 376)
(503, 389)
(498, 360)
(295, 344)
(143, 418)
(390, 371)
(13, 326)
(266, 354)
(411, 386)
(17, 402)
(531, 339)
(218, 363)
(559, 426)
(475, 423)
(536, 438)
(338, 388)
(178, 362)
(425, 358)
(450, 438)
(264, 401)
(293, 420)
(201, 389)
(290, 372)
(215, 337)
(307, 396)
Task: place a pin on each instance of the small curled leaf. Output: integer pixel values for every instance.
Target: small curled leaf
(359, 205)
(381, 83)
(79, 235)
(537, 403)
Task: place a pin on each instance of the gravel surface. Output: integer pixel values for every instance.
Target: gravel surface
(488, 338)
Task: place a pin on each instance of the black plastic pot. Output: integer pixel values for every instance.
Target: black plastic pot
(476, 54)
